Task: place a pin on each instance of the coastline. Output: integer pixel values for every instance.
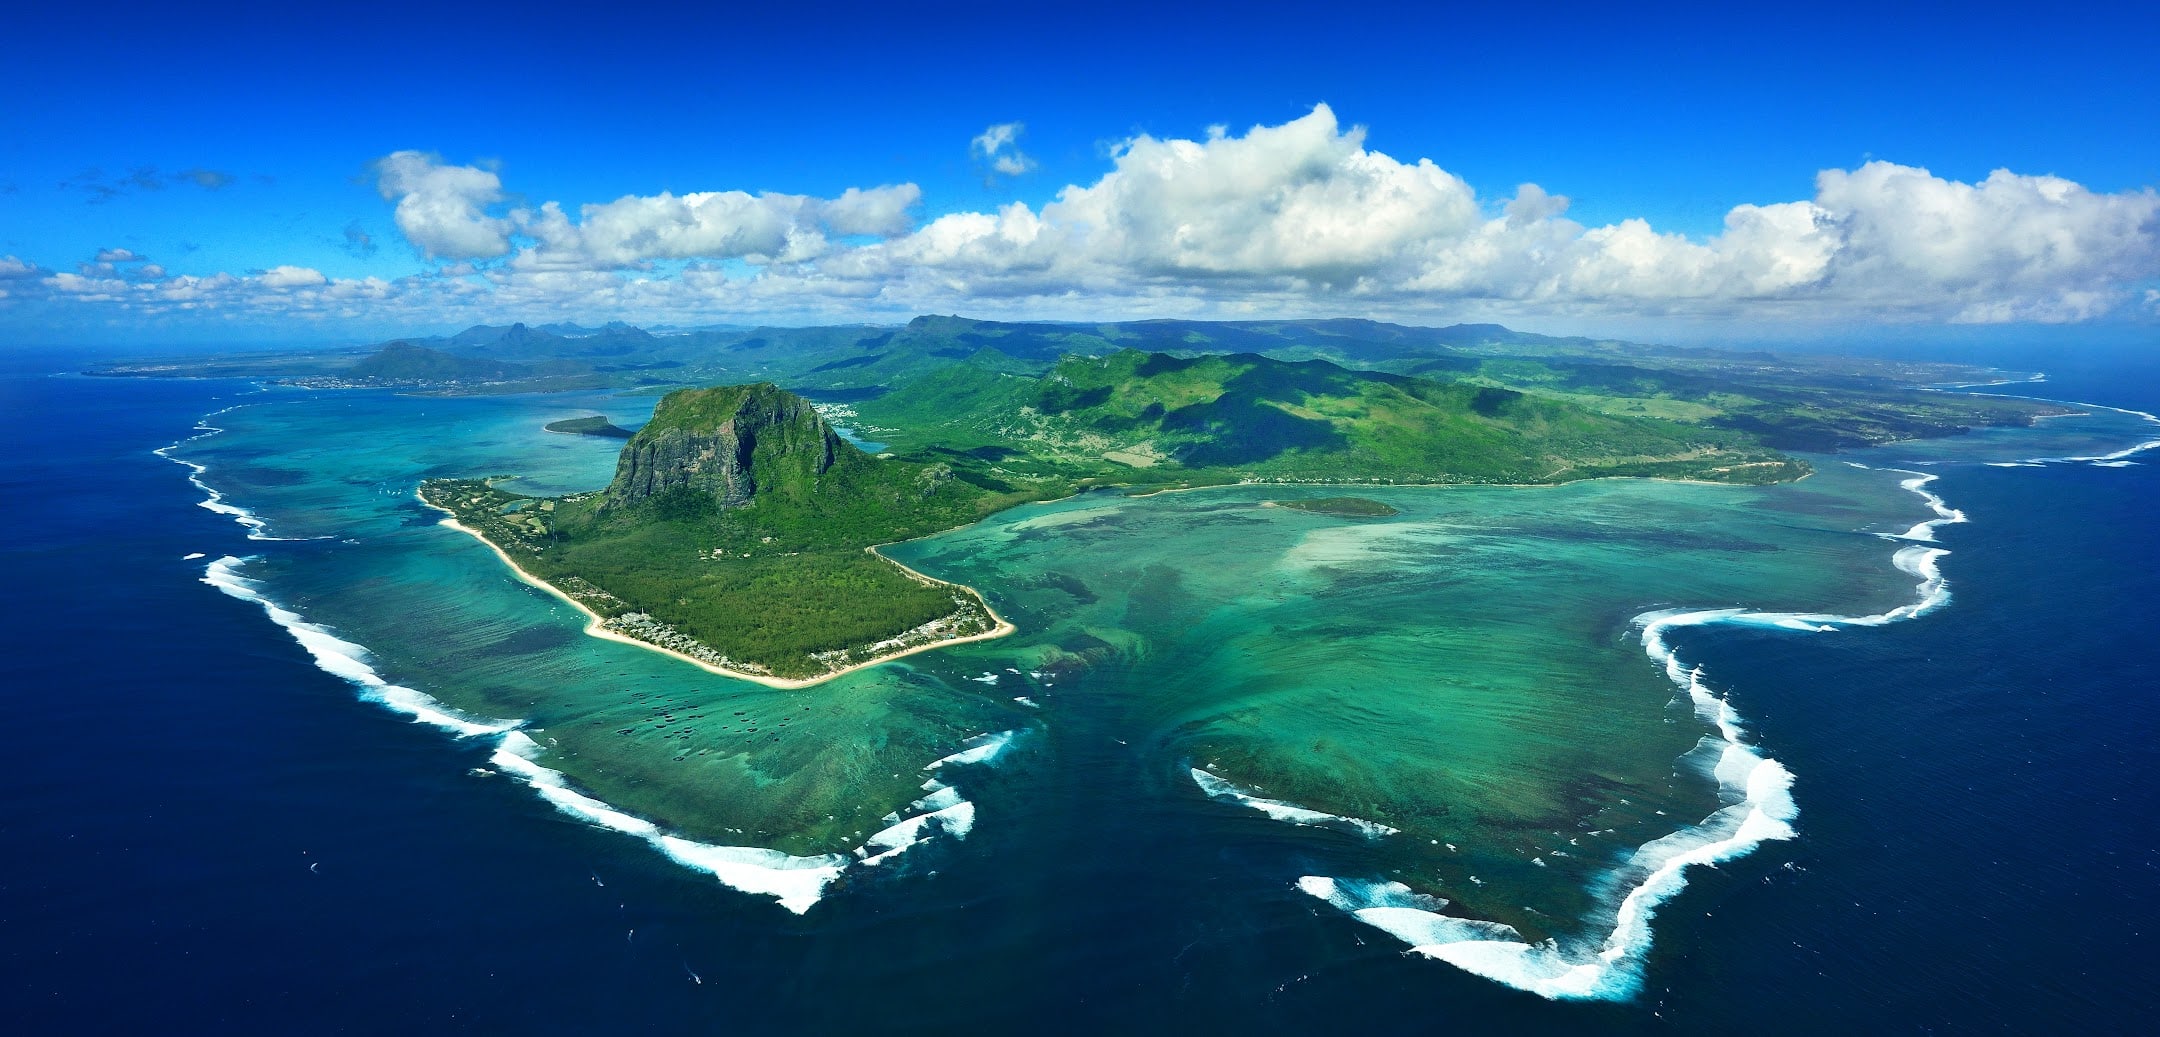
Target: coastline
(1754, 787)
(596, 624)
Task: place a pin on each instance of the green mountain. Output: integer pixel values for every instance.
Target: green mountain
(728, 443)
(1153, 417)
(736, 531)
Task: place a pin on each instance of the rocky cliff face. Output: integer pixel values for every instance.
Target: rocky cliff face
(732, 442)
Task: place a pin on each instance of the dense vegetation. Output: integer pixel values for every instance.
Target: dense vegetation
(1339, 507)
(780, 583)
(1150, 418)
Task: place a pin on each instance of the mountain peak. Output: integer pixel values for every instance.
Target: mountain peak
(728, 444)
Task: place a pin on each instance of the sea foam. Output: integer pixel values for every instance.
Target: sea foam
(1221, 788)
(941, 810)
(214, 500)
(342, 658)
(796, 883)
(2114, 459)
(1755, 790)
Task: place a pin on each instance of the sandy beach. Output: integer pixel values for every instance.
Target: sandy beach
(595, 623)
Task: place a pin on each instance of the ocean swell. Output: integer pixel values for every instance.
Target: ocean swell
(796, 883)
(2113, 459)
(341, 658)
(214, 499)
(1755, 792)
(1220, 788)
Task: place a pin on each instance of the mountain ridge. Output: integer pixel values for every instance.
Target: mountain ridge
(728, 442)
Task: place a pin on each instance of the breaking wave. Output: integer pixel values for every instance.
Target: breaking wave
(1755, 792)
(214, 499)
(1220, 788)
(796, 883)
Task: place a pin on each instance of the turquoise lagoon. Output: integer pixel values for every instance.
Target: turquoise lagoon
(1468, 717)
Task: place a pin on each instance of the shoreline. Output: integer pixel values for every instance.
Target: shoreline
(596, 624)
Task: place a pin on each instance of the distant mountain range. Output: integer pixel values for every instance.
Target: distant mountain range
(1782, 403)
(848, 358)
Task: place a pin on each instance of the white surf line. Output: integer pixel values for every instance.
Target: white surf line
(214, 501)
(341, 658)
(940, 810)
(1756, 789)
(796, 883)
(1945, 515)
(2115, 459)
(1220, 788)
(2034, 378)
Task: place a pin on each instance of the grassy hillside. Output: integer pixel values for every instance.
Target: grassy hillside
(1154, 418)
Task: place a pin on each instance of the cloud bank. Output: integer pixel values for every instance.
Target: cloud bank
(1293, 219)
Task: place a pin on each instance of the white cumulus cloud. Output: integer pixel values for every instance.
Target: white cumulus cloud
(633, 229)
(451, 213)
(1287, 219)
(2009, 247)
(1304, 212)
(761, 228)
(442, 209)
(877, 212)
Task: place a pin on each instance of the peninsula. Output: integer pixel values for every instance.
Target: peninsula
(740, 534)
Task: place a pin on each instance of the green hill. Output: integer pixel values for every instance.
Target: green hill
(735, 532)
(1153, 418)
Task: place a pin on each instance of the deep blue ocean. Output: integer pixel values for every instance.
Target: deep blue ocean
(201, 831)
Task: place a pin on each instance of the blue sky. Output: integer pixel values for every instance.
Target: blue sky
(245, 149)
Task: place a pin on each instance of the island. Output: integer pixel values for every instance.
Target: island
(1338, 507)
(740, 531)
(1356, 625)
(595, 425)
